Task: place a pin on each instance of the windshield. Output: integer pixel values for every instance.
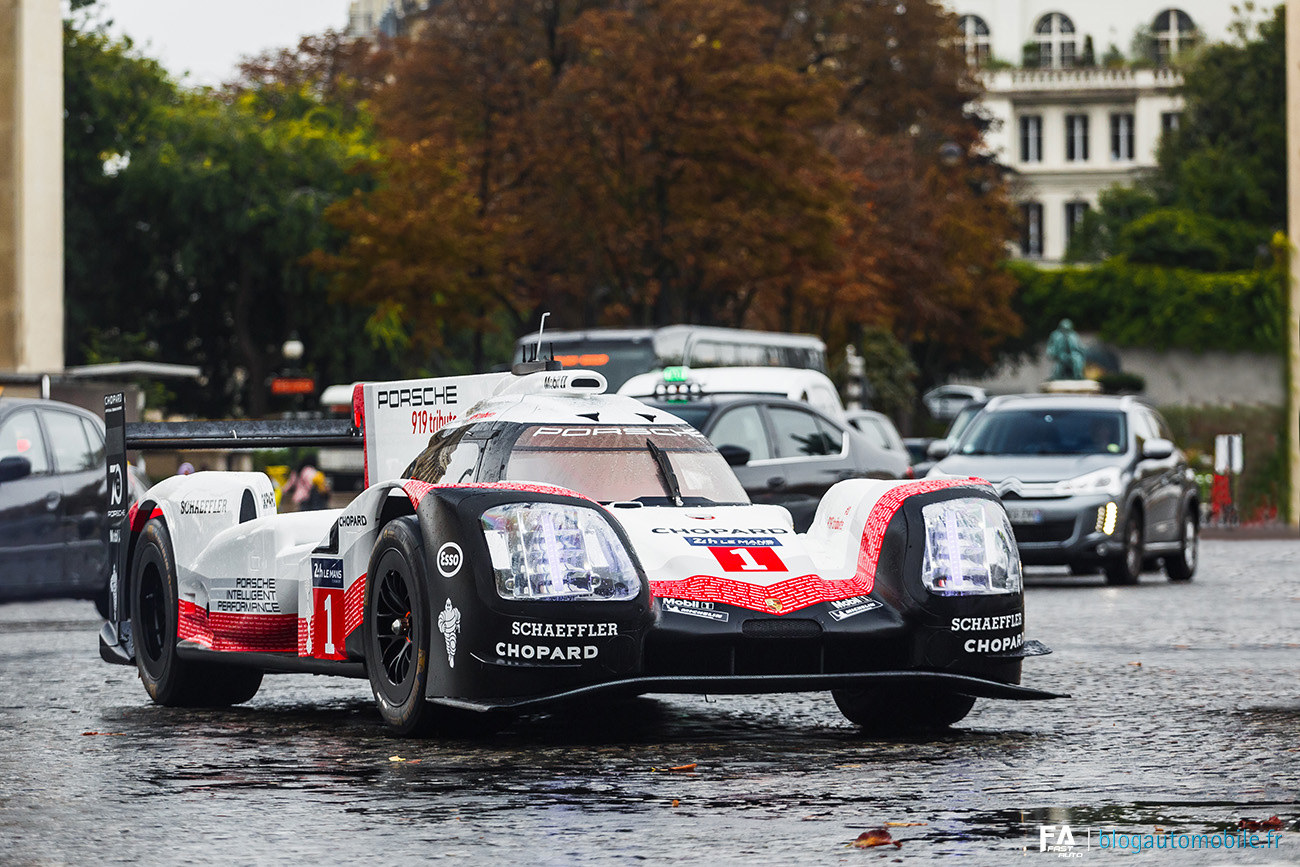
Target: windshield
(612, 464)
(1046, 432)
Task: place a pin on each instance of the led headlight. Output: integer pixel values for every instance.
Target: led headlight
(969, 549)
(554, 552)
(1106, 481)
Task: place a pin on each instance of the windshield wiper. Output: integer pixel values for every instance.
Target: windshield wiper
(666, 470)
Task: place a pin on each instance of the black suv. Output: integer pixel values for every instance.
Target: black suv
(1087, 481)
(784, 451)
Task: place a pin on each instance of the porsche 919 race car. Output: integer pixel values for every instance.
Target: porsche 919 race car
(526, 538)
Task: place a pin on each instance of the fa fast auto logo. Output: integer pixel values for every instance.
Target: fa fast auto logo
(1059, 840)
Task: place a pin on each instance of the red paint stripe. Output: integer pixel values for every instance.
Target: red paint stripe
(263, 633)
(795, 593)
(354, 604)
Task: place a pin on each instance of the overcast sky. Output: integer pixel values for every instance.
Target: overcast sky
(206, 38)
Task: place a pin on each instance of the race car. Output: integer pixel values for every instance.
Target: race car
(525, 538)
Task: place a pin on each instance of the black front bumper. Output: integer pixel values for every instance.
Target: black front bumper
(766, 683)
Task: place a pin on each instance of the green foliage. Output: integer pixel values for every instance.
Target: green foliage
(1029, 55)
(1089, 56)
(1113, 58)
(1162, 308)
(1177, 237)
(1261, 487)
(1228, 157)
(188, 216)
(1097, 235)
(890, 371)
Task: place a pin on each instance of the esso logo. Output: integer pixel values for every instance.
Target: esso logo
(449, 559)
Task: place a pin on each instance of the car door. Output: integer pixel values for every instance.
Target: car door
(743, 425)
(1149, 475)
(1167, 495)
(31, 544)
(77, 449)
(812, 454)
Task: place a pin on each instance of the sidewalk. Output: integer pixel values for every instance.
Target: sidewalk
(1250, 532)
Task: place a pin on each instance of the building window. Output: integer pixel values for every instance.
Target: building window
(974, 39)
(1031, 138)
(1174, 33)
(1031, 229)
(1076, 138)
(1054, 34)
(1121, 136)
(1074, 212)
(1170, 121)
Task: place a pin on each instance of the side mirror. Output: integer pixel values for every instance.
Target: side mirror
(14, 467)
(939, 449)
(1157, 450)
(735, 456)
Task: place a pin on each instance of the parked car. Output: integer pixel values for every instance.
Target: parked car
(53, 488)
(786, 452)
(1088, 481)
(945, 401)
(879, 430)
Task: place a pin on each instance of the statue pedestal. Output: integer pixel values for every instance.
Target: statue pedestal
(1071, 386)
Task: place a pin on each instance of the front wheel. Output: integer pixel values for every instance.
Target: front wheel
(1182, 566)
(1126, 568)
(170, 680)
(397, 628)
(891, 711)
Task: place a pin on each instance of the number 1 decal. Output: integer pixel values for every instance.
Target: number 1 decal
(748, 559)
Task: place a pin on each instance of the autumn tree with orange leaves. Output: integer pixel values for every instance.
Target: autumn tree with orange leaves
(738, 162)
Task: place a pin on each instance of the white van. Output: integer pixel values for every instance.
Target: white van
(809, 386)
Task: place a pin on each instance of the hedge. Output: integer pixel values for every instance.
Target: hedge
(1156, 307)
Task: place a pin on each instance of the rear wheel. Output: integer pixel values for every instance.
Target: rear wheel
(899, 711)
(1182, 566)
(170, 680)
(1126, 567)
(397, 628)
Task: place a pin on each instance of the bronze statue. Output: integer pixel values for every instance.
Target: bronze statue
(1065, 351)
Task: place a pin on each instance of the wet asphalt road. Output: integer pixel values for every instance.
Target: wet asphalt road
(1185, 717)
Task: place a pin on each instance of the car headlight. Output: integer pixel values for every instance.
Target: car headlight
(969, 549)
(1108, 481)
(553, 552)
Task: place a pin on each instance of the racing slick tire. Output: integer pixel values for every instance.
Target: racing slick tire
(170, 680)
(1126, 567)
(397, 629)
(892, 711)
(1182, 566)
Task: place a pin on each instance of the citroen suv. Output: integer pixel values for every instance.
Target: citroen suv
(1087, 481)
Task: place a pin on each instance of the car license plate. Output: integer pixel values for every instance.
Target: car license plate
(1025, 516)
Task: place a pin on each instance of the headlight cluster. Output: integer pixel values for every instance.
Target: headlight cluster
(969, 549)
(1106, 516)
(554, 552)
(1108, 481)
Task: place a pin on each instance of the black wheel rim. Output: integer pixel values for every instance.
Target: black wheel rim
(393, 622)
(153, 613)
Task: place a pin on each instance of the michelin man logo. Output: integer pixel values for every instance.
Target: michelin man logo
(449, 625)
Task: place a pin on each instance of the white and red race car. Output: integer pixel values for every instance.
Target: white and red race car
(526, 538)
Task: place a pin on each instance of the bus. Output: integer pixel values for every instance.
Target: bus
(621, 353)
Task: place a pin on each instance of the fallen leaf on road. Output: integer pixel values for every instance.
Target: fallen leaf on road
(1272, 823)
(104, 734)
(676, 802)
(906, 824)
(873, 838)
(1136, 664)
(678, 768)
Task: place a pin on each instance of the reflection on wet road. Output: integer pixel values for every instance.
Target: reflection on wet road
(1185, 716)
